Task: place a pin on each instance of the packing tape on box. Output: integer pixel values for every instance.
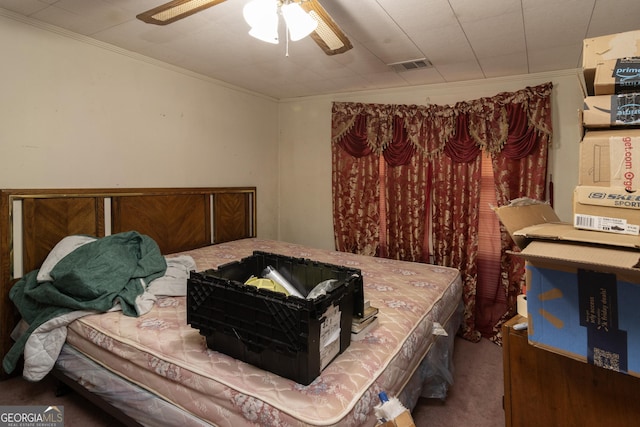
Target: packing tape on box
(522, 305)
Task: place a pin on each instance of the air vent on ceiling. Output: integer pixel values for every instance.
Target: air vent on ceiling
(413, 64)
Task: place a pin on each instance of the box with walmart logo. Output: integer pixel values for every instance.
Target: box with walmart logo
(583, 288)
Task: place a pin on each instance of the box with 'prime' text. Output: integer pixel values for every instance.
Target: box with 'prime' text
(596, 50)
(615, 76)
(606, 111)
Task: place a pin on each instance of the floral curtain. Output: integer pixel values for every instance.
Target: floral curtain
(356, 189)
(406, 198)
(456, 202)
(520, 171)
(397, 156)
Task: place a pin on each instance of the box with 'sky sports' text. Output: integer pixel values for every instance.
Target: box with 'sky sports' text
(610, 209)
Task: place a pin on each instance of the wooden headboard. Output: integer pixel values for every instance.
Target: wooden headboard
(32, 222)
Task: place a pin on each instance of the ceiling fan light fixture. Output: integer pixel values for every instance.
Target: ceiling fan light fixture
(257, 11)
(262, 17)
(299, 23)
(265, 33)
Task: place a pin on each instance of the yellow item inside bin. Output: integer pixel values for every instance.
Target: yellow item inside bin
(266, 284)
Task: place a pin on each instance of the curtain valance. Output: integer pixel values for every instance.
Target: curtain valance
(508, 122)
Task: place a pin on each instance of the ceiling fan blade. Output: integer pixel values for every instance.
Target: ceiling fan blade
(175, 10)
(327, 35)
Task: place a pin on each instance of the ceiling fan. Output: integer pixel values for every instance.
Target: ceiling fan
(327, 35)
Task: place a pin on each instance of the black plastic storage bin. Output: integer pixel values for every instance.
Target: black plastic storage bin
(287, 335)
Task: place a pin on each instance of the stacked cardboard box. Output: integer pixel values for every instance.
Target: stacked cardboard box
(608, 194)
(611, 68)
(583, 279)
(583, 288)
(611, 47)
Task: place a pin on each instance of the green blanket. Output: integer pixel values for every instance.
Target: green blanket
(94, 276)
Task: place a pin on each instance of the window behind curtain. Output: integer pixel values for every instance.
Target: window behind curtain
(490, 300)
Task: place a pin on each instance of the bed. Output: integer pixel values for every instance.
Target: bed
(156, 370)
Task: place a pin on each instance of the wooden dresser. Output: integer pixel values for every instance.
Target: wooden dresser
(545, 389)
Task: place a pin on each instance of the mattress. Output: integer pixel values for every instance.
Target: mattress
(160, 353)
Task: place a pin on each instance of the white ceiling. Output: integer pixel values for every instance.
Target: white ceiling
(464, 39)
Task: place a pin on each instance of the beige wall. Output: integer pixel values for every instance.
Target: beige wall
(305, 153)
(74, 113)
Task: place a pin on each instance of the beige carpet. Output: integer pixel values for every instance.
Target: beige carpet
(77, 410)
(475, 398)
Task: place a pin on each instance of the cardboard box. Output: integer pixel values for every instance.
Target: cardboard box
(615, 76)
(583, 290)
(611, 110)
(403, 420)
(610, 158)
(610, 209)
(599, 49)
